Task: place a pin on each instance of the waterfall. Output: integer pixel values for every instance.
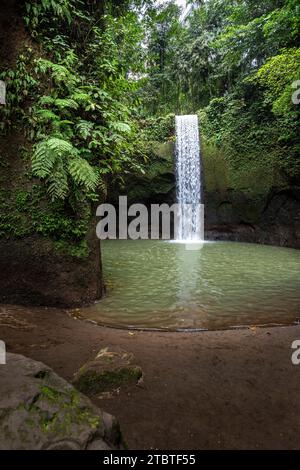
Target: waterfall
(190, 224)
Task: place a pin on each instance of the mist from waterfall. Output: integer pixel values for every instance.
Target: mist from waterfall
(188, 179)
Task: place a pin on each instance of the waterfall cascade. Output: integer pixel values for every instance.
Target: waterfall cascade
(188, 179)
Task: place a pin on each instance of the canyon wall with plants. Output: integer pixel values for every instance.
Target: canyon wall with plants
(65, 131)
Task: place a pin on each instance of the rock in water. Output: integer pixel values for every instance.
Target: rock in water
(107, 371)
(40, 410)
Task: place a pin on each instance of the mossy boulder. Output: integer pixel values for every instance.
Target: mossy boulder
(40, 410)
(108, 371)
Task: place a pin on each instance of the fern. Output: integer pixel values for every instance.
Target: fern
(58, 161)
(84, 128)
(47, 153)
(59, 73)
(120, 126)
(46, 100)
(81, 97)
(57, 182)
(46, 115)
(83, 173)
(63, 103)
(60, 146)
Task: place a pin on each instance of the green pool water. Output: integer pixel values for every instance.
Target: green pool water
(158, 284)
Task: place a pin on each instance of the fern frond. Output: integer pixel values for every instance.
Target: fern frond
(81, 97)
(58, 187)
(46, 115)
(42, 160)
(63, 103)
(83, 173)
(60, 146)
(59, 73)
(57, 160)
(121, 126)
(47, 153)
(46, 100)
(84, 128)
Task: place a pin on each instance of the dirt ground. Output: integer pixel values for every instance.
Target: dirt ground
(210, 390)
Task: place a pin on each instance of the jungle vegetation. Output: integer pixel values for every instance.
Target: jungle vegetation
(99, 81)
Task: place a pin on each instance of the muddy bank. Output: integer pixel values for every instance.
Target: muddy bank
(229, 389)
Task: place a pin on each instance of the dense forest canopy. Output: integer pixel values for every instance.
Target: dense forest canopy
(98, 81)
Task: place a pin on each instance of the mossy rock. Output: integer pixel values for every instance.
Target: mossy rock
(108, 371)
(164, 150)
(40, 410)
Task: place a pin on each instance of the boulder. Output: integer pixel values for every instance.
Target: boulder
(108, 371)
(40, 410)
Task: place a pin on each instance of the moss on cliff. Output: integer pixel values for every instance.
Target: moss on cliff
(25, 209)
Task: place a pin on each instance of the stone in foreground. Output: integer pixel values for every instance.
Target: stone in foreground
(108, 371)
(40, 410)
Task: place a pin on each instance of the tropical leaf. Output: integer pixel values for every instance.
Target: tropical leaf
(83, 173)
(63, 103)
(121, 126)
(47, 153)
(84, 128)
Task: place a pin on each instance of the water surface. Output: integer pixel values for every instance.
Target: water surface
(158, 284)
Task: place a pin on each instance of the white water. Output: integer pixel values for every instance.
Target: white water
(188, 179)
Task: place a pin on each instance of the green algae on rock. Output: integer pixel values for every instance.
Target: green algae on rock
(40, 410)
(108, 371)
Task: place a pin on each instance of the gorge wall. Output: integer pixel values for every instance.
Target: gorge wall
(236, 216)
(46, 257)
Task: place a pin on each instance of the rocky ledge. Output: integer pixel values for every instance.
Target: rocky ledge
(40, 410)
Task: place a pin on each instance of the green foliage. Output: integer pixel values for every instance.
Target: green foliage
(219, 44)
(59, 161)
(157, 129)
(277, 77)
(96, 91)
(38, 11)
(21, 84)
(153, 181)
(25, 212)
(78, 250)
(234, 62)
(74, 95)
(164, 30)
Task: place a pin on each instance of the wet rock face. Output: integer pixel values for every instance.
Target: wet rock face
(40, 410)
(34, 274)
(273, 219)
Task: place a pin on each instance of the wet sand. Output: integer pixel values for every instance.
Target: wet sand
(209, 390)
